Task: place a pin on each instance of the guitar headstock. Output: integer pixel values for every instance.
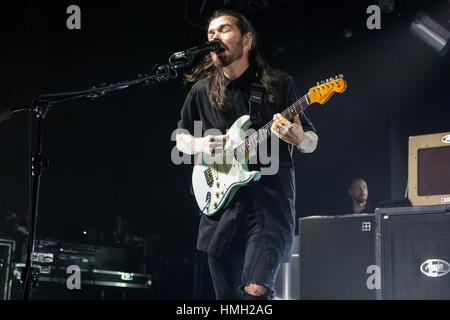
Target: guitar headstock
(324, 90)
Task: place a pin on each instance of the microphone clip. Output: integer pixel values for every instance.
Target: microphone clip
(186, 57)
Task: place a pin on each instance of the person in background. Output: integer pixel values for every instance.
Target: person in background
(359, 193)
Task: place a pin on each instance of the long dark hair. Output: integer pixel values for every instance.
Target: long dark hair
(216, 85)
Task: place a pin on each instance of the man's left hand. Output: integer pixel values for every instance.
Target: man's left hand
(287, 131)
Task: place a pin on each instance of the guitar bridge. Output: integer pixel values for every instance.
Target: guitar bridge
(209, 177)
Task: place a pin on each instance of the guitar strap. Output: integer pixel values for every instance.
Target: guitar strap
(256, 104)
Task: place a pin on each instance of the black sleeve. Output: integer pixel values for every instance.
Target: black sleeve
(189, 112)
(293, 95)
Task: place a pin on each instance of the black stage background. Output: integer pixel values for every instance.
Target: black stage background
(112, 156)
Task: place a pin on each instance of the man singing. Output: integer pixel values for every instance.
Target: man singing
(249, 239)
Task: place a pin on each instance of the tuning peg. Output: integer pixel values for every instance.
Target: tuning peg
(318, 83)
(322, 82)
(341, 76)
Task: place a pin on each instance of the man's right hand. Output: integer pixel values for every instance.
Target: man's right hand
(210, 144)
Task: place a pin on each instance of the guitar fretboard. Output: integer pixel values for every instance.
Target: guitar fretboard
(250, 144)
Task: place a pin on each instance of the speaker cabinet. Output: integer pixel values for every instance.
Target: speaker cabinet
(337, 257)
(396, 253)
(429, 169)
(416, 253)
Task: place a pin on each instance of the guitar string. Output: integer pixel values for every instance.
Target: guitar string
(250, 141)
(265, 130)
(260, 135)
(266, 127)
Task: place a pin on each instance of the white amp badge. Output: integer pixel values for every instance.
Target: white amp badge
(435, 268)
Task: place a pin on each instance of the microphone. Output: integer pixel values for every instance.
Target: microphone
(8, 113)
(5, 115)
(213, 45)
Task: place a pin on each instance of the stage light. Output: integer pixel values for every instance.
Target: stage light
(431, 32)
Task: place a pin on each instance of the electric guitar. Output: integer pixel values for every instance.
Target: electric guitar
(216, 178)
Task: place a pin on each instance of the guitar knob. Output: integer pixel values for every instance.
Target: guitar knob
(217, 194)
(215, 205)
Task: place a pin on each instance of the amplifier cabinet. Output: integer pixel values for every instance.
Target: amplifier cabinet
(338, 257)
(429, 169)
(416, 253)
(396, 253)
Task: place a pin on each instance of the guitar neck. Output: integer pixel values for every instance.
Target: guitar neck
(251, 143)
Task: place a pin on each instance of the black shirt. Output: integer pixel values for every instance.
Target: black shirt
(273, 196)
(367, 209)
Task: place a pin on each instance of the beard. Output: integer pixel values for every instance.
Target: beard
(231, 54)
(361, 199)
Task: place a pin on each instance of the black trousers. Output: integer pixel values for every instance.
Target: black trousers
(244, 264)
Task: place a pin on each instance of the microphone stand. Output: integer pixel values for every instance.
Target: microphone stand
(38, 162)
